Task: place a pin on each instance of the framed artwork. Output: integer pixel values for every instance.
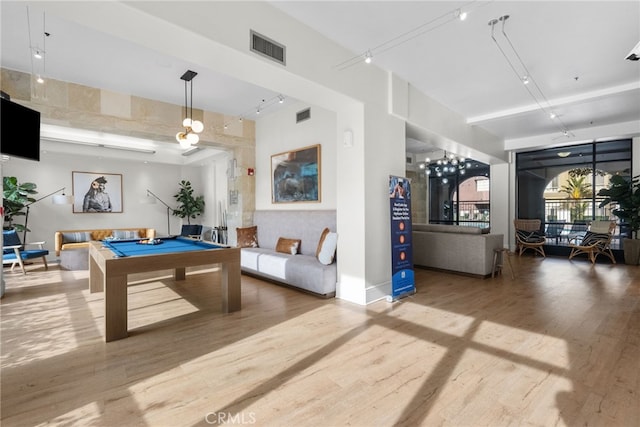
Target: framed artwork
(295, 175)
(97, 192)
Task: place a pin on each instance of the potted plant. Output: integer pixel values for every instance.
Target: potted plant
(626, 193)
(15, 198)
(189, 207)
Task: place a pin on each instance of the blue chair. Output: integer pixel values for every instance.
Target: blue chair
(14, 252)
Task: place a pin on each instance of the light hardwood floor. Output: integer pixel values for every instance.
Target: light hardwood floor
(560, 345)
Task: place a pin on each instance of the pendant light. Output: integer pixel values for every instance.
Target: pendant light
(189, 136)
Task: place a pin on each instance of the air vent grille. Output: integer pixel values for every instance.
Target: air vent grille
(303, 115)
(268, 48)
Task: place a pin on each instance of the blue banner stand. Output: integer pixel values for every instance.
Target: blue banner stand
(402, 275)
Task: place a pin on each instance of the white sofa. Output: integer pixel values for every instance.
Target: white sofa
(460, 249)
(303, 270)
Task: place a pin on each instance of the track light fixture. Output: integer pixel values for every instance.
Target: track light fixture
(262, 106)
(520, 69)
(192, 127)
(451, 15)
(460, 14)
(38, 52)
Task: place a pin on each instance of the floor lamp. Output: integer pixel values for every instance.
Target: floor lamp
(152, 200)
(58, 199)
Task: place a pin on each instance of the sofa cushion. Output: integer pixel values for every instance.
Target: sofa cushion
(288, 246)
(247, 236)
(126, 234)
(301, 271)
(76, 237)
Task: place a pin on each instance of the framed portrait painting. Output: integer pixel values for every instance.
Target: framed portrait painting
(97, 192)
(296, 175)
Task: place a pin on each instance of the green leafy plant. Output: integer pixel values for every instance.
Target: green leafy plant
(16, 197)
(577, 188)
(626, 194)
(189, 207)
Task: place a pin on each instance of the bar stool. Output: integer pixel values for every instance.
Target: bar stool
(497, 268)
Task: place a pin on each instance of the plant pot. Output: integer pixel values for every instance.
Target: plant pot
(631, 251)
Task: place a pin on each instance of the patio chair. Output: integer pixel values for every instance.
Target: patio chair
(554, 230)
(529, 236)
(594, 242)
(14, 252)
(578, 230)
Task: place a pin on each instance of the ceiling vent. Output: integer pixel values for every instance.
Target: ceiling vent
(303, 115)
(268, 48)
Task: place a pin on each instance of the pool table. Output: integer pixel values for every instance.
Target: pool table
(111, 261)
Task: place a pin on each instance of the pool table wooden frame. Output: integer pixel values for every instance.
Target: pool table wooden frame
(109, 273)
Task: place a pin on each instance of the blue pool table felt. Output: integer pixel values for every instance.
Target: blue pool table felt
(125, 248)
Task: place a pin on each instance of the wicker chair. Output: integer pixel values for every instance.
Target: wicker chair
(529, 236)
(596, 241)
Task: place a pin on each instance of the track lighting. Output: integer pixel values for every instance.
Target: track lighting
(517, 65)
(460, 14)
(263, 105)
(38, 51)
(367, 57)
(192, 127)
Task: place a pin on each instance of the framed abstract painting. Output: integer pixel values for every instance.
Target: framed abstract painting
(295, 175)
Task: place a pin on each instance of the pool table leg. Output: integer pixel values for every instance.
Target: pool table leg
(231, 293)
(179, 273)
(115, 308)
(96, 277)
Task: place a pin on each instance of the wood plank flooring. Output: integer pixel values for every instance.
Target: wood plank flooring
(557, 346)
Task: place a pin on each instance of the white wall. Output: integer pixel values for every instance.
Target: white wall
(54, 171)
(277, 133)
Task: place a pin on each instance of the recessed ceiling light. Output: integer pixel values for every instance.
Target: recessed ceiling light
(564, 154)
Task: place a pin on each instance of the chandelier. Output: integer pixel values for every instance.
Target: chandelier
(449, 164)
(189, 136)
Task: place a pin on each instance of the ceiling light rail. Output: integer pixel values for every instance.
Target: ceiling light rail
(262, 106)
(526, 78)
(38, 52)
(457, 14)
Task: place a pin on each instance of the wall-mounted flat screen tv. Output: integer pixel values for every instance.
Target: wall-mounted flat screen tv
(19, 131)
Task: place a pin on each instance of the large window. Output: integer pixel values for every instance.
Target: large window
(460, 197)
(559, 186)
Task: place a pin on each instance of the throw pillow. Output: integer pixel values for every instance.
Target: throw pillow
(530, 236)
(591, 238)
(247, 236)
(323, 236)
(126, 234)
(328, 247)
(77, 237)
(288, 246)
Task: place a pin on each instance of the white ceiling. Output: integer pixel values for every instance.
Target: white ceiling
(574, 52)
